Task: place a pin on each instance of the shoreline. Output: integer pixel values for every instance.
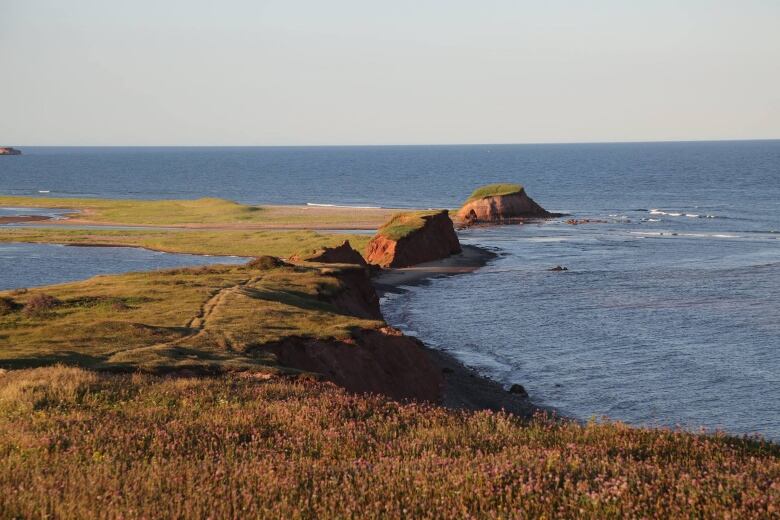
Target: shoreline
(17, 219)
(464, 387)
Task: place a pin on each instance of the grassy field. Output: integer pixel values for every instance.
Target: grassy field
(494, 190)
(401, 224)
(79, 445)
(224, 242)
(204, 319)
(207, 212)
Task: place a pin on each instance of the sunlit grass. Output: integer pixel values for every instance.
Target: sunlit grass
(74, 444)
(494, 190)
(402, 224)
(223, 242)
(204, 212)
(206, 319)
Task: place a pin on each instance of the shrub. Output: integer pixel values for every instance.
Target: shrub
(40, 304)
(265, 262)
(7, 306)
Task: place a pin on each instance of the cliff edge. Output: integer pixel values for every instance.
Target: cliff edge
(343, 254)
(500, 203)
(7, 150)
(413, 238)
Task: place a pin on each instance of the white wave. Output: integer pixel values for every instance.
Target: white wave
(656, 211)
(687, 235)
(44, 191)
(666, 213)
(341, 206)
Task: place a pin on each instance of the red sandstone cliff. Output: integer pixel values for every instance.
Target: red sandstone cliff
(433, 239)
(7, 150)
(502, 208)
(374, 360)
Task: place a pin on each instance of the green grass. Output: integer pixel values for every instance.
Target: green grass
(494, 190)
(203, 212)
(402, 224)
(206, 319)
(79, 445)
(223, 242)
(149, 212)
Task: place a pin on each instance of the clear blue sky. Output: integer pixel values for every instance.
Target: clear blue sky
(241, 72)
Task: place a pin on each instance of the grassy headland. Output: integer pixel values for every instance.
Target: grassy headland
(75, 444)
(207, 212)
(494, 190)
(223, 242)
(206, 319)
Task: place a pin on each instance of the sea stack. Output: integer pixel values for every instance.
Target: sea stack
(7, 150)
(413, 238)
(500, 204)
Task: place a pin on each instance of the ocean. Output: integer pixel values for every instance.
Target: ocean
(669, 313)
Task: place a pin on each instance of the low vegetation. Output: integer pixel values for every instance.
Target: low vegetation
(78, 445)
(101, 415)
(207, 319)
(494, 190)
(402, 224)
(207, 212)
(224, 242)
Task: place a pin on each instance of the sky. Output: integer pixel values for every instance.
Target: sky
(353, 72)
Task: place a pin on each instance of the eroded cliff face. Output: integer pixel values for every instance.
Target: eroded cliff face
(378, 361)
(374, 360)
(435, 240)
(501, 209)
(343, 254)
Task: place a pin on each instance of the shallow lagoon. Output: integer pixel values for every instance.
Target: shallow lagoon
(30, 265)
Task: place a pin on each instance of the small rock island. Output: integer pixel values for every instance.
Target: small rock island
(413, 238)
(500, 204)
(7, 150)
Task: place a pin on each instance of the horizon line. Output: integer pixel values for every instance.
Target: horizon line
(377, 145)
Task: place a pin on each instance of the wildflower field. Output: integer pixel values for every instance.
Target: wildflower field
(81, 444)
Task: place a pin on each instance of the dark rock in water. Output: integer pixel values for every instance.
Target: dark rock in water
(447, 370)
(7, 150)
(558, 268)
(518, 389)
(577, 222)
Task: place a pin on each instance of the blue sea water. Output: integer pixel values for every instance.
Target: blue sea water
(669, 313)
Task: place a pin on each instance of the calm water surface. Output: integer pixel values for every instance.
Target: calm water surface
(669, 314)
(30, 265)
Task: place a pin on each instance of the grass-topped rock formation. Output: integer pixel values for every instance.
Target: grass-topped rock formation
(413, 238)
(500, 203)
